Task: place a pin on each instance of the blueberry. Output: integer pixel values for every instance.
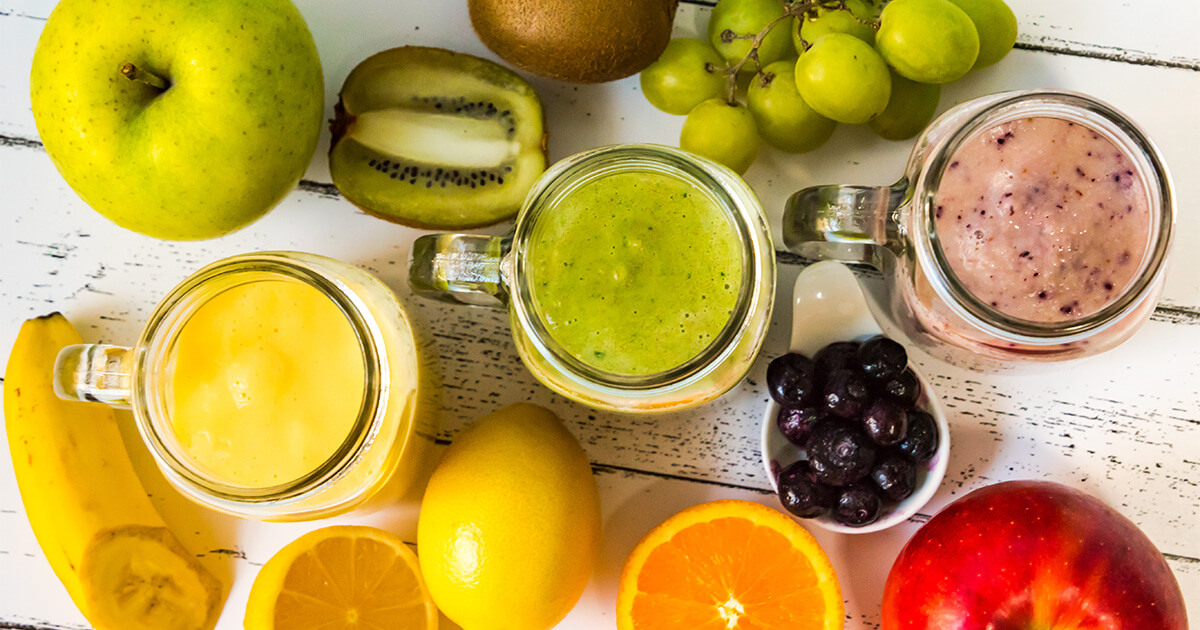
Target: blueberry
(921, 442)
(857, 505)
(885, 422)
(838, 355)
(895, 476)
(795, 423)
(845, 393)
(904, 388)
(881, 358)
(839, 452)
(790, 379)
(801, 493)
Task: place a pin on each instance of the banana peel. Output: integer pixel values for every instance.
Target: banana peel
(103, 538)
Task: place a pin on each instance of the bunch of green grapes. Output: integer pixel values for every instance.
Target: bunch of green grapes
(815, 63)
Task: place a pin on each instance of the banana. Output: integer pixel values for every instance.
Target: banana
(112, 551)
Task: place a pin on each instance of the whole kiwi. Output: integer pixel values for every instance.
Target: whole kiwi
(573, 40)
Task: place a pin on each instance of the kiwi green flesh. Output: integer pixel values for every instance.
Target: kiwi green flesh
(431, 138)
(431, 194)
(453, 141)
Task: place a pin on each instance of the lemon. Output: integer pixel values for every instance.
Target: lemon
(345, 577)
(510, 523)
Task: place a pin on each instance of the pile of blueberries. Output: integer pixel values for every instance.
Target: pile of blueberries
(852, 409)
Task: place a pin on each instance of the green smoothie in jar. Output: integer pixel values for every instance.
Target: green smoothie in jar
(635, 272)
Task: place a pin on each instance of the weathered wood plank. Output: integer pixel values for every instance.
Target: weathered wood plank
(1150, 33)
(1154, 32)
(1044, 426)
(854, 154)
(1123, 426)
(1155, 29)
(634, 503)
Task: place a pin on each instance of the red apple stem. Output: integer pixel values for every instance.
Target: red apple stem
(134, 73)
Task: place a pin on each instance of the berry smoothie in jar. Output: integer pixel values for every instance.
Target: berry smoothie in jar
(1029, 226)
(1042, 219)
(1046, 226)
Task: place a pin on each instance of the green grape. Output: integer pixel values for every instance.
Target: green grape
(929, 41)
(996, 25)
(784, 120)
(820, 21)
(745, 19)
(687, 72)
(721, 132)
(908, 111)
(843, 78)
(798, 42)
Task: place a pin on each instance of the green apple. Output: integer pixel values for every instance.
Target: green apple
(179, 119)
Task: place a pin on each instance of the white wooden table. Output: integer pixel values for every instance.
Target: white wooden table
(1124, 426)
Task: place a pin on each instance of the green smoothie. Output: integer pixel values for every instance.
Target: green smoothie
(635, 272)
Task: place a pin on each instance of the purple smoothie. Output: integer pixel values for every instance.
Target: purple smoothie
(1043, 219)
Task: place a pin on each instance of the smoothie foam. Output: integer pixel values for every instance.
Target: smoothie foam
(1043, 219)
(268, 382)
(635, 273)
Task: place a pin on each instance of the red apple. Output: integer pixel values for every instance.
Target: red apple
(1031, 555)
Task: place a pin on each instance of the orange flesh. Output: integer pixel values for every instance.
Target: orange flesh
(728, 573)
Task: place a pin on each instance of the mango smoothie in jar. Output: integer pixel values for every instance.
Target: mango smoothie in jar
(278, 386)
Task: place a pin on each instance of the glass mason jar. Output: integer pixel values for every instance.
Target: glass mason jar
(894, 229)
(497, 271)
(380, 448)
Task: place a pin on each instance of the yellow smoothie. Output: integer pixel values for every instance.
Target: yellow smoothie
(268, 382)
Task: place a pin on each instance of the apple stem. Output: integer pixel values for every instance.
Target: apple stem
(134, 73)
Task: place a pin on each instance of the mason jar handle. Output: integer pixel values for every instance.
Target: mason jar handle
(844, 222)
(95, 373)
(460, 268)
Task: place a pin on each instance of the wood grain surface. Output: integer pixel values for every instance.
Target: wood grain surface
(1124, 426)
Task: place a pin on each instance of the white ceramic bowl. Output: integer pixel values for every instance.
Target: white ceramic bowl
(828, 306)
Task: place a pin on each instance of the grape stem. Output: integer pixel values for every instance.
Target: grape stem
(792, 8)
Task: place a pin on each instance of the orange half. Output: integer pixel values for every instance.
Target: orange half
(729, 565)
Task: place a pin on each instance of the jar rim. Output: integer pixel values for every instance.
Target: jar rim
(155, 346)
(729, 193)
(1088, 112)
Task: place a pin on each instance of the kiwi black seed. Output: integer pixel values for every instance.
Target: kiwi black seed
(436, 139)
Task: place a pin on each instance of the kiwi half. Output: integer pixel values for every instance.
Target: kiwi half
(435, 139)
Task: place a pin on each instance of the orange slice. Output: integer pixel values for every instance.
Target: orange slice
(347, 577)
(725, 565)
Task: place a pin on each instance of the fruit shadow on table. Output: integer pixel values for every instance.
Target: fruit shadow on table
(634, 515)
(203, 532)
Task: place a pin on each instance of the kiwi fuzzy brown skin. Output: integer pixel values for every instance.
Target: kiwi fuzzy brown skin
(349, 179)
(575, 40)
